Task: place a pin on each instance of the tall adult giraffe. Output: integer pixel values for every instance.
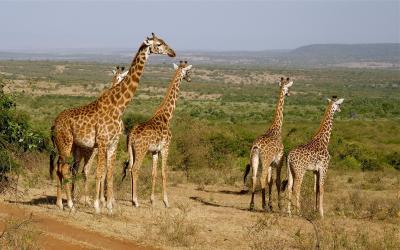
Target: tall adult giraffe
(312, 156)
(99, 124)
(88, 154)
(154, 136)
(269, 149)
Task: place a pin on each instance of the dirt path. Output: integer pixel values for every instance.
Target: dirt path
(55, 233)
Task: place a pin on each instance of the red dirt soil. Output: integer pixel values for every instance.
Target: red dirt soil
(55, 234)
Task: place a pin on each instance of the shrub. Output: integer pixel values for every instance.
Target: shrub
(350, 162)
(132, 119)
(15, 134)
(394, 160)
(370, 164)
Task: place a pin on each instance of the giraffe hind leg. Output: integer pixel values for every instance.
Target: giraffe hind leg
(164, 173)
(139, 156)
(254, 166)
(154, 176)
(266, 175)
(289, 185)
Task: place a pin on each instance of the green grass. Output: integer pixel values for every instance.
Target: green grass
(363, 134)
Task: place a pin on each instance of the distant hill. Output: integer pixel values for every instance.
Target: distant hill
(383, 55)
(345, 53)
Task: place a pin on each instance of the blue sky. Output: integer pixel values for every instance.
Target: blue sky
(196, 25)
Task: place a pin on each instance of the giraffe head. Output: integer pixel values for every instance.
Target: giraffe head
(285, 84)
(158, 46)
(118, 74)
(185, 70)
(335, 103)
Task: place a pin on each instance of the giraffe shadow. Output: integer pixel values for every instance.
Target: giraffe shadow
(46, 200)
(213, 204)
(241, 192)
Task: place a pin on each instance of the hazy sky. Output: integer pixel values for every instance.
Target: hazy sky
(196, 25)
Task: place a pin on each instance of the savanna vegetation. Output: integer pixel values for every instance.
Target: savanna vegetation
(218, 116)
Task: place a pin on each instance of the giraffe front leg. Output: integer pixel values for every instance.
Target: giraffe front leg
(103, 188)
(164, 173)
(66, 173)
(101, 162)
(88, 160)
(270, 187)
(316, 189)
(59, 185)
(322, 176)
(74, 170)
(110, 179)
(154, 176)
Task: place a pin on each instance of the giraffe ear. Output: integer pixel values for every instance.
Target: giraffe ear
(340, 101)
(175, 66)
(114, 72)
(289, 84)
(189, 67)
(329, 100)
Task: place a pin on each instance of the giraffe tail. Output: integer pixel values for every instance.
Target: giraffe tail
(128, 163)
(246, 173)
(53, 155)
(289, 175)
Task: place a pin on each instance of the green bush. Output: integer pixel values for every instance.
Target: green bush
(15, 134)
(394, 160)
(131, 119)
(370, 164)
(350, 162)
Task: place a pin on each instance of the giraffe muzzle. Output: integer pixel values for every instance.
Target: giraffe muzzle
(171, 53)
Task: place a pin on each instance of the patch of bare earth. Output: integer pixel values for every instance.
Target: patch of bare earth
(215, 217)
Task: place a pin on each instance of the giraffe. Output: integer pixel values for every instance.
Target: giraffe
(269, 149)
(88, 154)
(313, 156)
(154, 136)
(118, 75)
(99, 125)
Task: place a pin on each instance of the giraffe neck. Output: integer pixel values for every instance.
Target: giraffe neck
(119, 96)
(276, 126)
(168, 105)
(321, 138)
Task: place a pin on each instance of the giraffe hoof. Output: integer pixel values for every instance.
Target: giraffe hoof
(251, 208)
(135, 204)
(59, 205)
(97, 207)
(110, 211)
(166, 204)
(103, 202)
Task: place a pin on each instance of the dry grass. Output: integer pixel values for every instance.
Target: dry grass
(173, 228)
(19, 234)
